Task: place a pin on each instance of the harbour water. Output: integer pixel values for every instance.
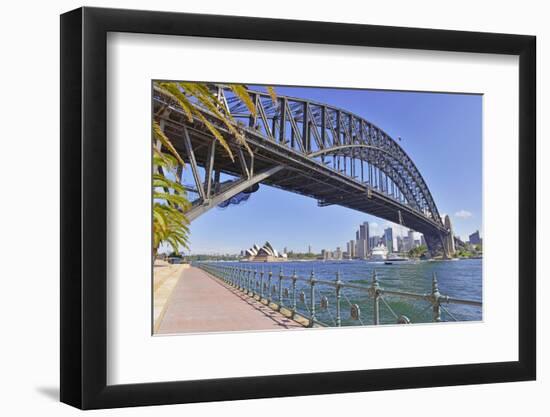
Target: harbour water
(456, 278)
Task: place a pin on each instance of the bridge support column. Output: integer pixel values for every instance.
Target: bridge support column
(449, 238)
(437, 244)
(448, 245)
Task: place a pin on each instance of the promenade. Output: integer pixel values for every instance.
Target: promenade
(201, 303)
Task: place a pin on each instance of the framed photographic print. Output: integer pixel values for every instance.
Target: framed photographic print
(257, 208)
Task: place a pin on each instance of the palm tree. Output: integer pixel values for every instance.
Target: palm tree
(169, 204)
(170, 225)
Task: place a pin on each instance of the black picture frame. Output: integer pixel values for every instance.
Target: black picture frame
(84, 207)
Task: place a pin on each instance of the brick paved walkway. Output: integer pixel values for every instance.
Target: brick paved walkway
(201, 303)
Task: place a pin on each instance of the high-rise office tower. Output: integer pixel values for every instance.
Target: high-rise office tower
(388, 239)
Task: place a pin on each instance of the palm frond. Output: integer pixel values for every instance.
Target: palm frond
(272, 94)
(176, 94)
(159, 134)
(216, 134)
(241, 92)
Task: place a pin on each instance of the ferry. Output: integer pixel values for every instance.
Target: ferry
(391, 258)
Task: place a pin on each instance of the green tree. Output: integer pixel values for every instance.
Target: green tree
(418, 251)
(169, 205)
(170, 225)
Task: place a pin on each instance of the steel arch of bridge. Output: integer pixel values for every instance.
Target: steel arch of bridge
(293, 134)
(319, 130)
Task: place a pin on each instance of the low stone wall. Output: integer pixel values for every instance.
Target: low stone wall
(165, 278)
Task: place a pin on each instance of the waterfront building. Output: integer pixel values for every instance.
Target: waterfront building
(337, 254)
(264, 254)
(474, 238)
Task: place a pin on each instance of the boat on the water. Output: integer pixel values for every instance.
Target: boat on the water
(379, 253)
(396, 258)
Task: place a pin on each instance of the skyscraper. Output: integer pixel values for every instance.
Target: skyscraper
(362, 249)
(351, 248)
(399, 244)
(373, 241)
(410, 236)
(388, 239)
(474, 238)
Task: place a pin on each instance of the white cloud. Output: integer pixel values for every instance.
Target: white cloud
(373, 227)
(463, 214)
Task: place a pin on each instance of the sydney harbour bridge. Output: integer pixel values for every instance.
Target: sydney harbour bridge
(309, 148)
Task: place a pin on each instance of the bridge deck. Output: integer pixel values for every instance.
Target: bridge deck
(200, 303)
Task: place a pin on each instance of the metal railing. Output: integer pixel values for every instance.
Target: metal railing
(308, 297)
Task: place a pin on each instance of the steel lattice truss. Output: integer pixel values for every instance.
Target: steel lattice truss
(319, 130)
(305, 147)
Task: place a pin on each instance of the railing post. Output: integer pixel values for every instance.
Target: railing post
(312, 298)
(255, 281)
(376, 297)
(269, 286)
(338, 288)
(294, 279)
(248, 281)
(435, 299)
(280, 287)
(262, 283)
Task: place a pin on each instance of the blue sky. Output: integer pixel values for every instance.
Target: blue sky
(442, 133)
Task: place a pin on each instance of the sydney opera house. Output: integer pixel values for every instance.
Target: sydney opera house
(264, 254)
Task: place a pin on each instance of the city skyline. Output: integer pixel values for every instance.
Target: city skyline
(426, 126)
(397, 232)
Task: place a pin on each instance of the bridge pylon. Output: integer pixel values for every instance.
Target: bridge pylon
(449, 241)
